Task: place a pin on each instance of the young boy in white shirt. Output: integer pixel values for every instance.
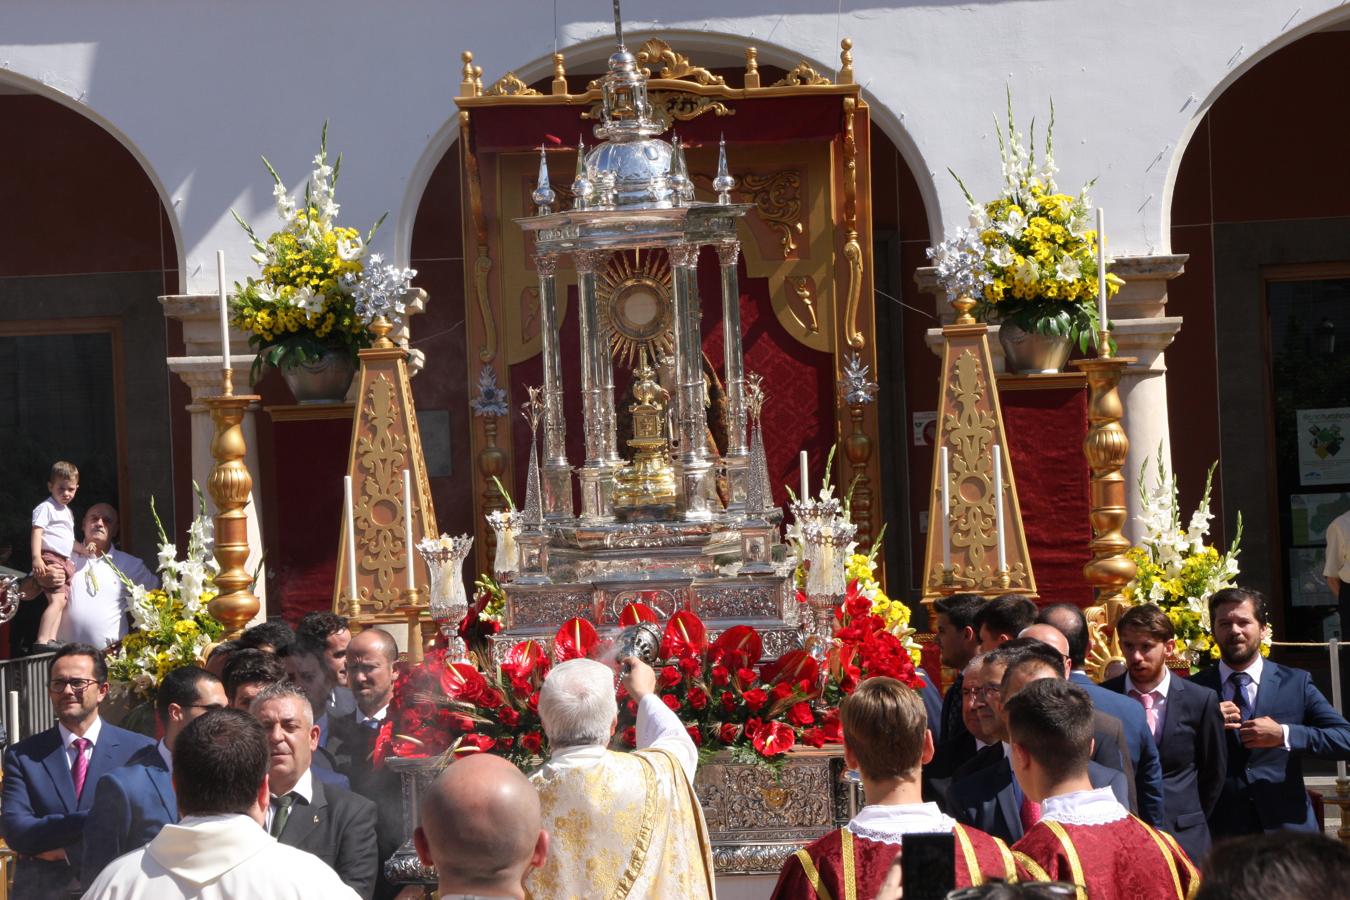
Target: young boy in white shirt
(53, 542)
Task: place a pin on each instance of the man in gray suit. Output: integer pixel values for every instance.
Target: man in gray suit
(333, 824)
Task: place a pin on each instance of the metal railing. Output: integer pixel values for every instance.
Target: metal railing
(23, 685)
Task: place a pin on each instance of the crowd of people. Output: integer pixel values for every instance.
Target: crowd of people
(1150, 785)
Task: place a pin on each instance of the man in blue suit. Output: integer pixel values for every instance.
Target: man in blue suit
(49, 778)
(1184, 719)
(132, 803)
(1274, 716)
(1148, 777)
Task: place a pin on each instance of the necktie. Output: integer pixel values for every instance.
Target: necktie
(281, 811)
(1150, 711)
(1031, 812)
(80, 767)
(1239, 681)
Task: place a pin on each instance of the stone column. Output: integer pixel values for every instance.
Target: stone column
(556, 479)
(1141, 329)
(696, 468)
(597, 473)
(736, 455)
(200, 370)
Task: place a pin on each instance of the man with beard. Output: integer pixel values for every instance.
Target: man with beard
(1274, 715)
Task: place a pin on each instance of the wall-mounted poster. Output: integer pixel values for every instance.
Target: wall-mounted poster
(1324, 446)
(1310, 514)
(1307, 587)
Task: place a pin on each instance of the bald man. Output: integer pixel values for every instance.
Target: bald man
(481, 829)
(371, 657)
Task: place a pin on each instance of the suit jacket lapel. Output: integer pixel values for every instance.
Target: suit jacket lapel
(1172, 710)
(305, 819)
(57, 764)
(163, 783)
(1271, 676)
(99, 763)
(1007, 801)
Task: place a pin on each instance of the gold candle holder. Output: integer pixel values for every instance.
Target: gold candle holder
(235, 604)
(412, 603)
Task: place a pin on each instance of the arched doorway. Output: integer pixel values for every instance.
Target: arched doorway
(906, 368)
(83, 341)
(1262, 205)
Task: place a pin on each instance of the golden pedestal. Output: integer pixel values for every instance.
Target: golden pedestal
(229, 485)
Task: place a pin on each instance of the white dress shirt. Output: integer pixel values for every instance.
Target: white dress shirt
(68, 741)
(362, 719)
(96, 612)
(1159, 699)
(1254, 673)
(304, 789)
(165, 755)
(657, 727)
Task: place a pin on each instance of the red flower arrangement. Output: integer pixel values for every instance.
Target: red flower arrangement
(719, 689)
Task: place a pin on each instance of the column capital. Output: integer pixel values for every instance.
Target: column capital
(684, 256)
(545, 265)
(588, 262)
(728, 252)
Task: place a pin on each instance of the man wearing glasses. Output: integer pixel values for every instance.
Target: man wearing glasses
(132, 803)
(49, 778)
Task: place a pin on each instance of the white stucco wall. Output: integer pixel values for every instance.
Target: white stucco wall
(199, 89)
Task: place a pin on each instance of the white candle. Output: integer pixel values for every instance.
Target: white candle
(224, 311)
(998, 509)
(801, 457)
(348, 511)
(945, 518)
(1101, 269)
(1335, 649)
(14, 730)
(407, 524)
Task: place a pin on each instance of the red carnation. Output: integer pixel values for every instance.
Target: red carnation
(755, 698)
(695, 735)
(509, 716)
(630, 736)
(728, 733)
(671, 700)
(669, 676)
(506, 743)
(831, 729)
(814, 736)
(534, 702)
(698, 698)
(747, 676)
(690, 665)
(632, 707)
(720, 676)
(532, 741)
(728, 701)
(783, 690)
(774, 738)
(752, 726)
(800, 714)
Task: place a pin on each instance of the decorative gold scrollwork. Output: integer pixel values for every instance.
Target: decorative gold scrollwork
(382, 454)
(852, 249)
(511, 86)
(777, 199)
(802, 74)
(802, 288)
(672, 106)
(674, 65)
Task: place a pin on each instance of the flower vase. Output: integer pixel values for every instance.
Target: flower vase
(826, 543)
(1025, 352)
(506, 524)
(448, 602)
(322, 380)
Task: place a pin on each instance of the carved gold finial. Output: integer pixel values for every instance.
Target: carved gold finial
(846, 61)
(381, 327)
(559, 75)
(963, 305)
(751, 67)
(478, 81)
(466, 76)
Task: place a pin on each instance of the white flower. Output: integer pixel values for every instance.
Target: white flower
(307, 300)
(350, 250)
(1068, 269)
(168, 555)
(1014, 224)
(1027, 271)
(1001, 256)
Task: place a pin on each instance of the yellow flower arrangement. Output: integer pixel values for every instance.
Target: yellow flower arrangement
(862, 569)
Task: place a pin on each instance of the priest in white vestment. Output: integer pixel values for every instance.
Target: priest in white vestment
(219, 850)
(620, 824)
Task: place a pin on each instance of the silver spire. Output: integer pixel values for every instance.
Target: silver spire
(723, 183)
(581, 185)
(544, 194)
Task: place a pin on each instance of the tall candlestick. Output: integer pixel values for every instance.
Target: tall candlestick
(407, 525)
(224, 311)
(998, 509)
(945, 520)
(1101, 270)
(801, 457)
(348, 511)
(15, 732)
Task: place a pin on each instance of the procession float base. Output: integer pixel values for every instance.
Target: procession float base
(757, 815)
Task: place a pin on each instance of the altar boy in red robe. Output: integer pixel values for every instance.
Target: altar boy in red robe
(886, 738)
(1084, 835)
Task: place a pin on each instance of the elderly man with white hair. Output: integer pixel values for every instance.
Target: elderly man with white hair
(621, 824)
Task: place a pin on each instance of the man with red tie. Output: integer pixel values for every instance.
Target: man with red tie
(50, 777)
(1184, 720)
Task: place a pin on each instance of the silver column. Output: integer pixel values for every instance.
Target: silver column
(698, 487)
(597, 473)
(736, 456)
(557, 472)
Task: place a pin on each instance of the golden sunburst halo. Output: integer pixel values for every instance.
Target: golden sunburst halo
(635, 308)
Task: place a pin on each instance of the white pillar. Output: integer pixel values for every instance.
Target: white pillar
(200, 370)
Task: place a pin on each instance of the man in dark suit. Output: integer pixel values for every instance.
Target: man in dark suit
(988, 797)
(1185, 722)
(1274, 716)
(331, 632)
(957, 646)
(333, 824)
(49, 778)
(371, 656)
(1002, 619)
(133, 802)
(247, 672)
(1148, 779)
